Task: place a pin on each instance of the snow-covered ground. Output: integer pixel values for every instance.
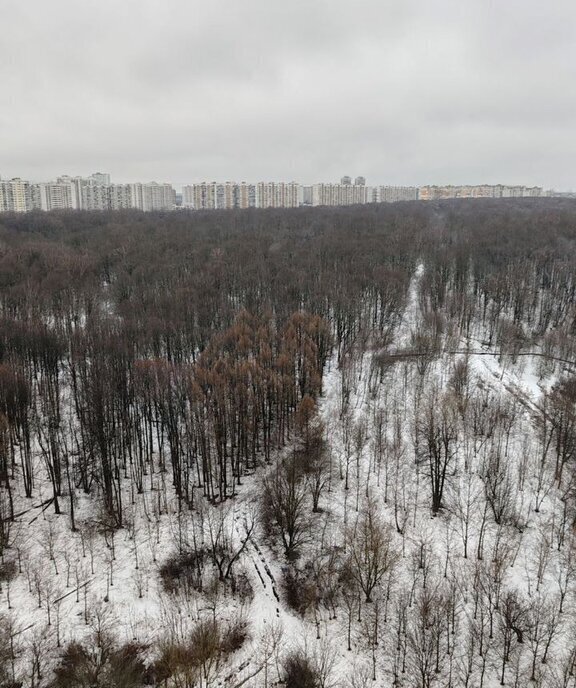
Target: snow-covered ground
(434, 609)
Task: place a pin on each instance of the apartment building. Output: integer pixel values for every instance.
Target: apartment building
(119, 196)
(5, 197)
(433, 193)
(306, 195)
(278, 195)
(522, 192)
(158, 196)
(15, 195)
(392, 194)
(199, 196)
(95, 197)
(228, 195)
(97, 193)
(339, 194)
(76, 185)
(51, 196)
(247, 195)
(152, 196)
(70, 193)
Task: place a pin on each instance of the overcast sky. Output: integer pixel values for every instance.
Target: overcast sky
(403, 92)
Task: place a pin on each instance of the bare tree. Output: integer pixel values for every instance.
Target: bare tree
(513, 622)
(542, 626)
(370, 547)
(436, 434)
(284, 505)
(225, 545)
(425, 634)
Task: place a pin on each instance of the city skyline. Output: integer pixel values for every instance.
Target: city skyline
(338, 179)
(99, 192)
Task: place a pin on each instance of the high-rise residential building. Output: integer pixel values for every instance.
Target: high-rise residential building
(391, 194)
(93, 193)
(228, 195)
(152, 196)
(307, 195)
(221, 197)
(95, 197)
(266, 194)
(88, 193)
(360, 181)
(15, 195)
(70, 193)
(372, 194)
(5, 197)
(324, 194)
(533, 192)
(521, 191)
(159, 196)
(52, 196)
(246, 195)
(338, 194)
(76, 185)
(137, 196)
(21, 195)
(278, 194)
(188, 196)
(431, 193)
(346, 181)
(357, 195)
(120, 196)
(200, 196)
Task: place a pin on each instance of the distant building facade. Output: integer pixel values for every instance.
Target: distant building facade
(392, 194)
(229, 195)
(338, 194)
(158, 196)
(120, 196)
(15, 195)
(97, 192)
(435, 193)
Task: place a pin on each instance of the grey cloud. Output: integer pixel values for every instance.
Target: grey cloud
(184, 90)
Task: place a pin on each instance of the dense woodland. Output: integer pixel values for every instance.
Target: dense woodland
(312, 447)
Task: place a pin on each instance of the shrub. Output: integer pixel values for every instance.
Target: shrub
(234, 637)
(103, 666)
(209, 643)
(299, 591)
(299, 671)
(183, 570)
